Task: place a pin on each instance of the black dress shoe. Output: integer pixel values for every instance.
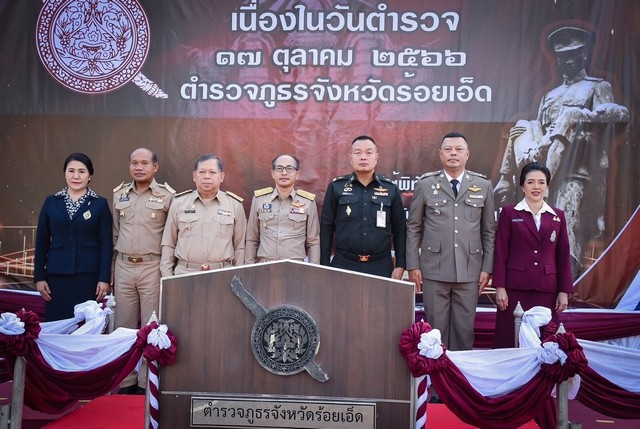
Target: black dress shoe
(129, 390)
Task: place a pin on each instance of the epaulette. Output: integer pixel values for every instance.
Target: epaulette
(263, 191)
(167, 187)
(385, 179)
(305, 194)
(234, 196)
(473, 173)
(120, 186)
(346, 176)
(430, 174)
(593, 79)
(179, 194)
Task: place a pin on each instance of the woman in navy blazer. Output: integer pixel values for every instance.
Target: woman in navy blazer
(532, 261)
(73, 243)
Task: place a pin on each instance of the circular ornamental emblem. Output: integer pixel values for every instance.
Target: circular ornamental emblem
(92, 46)
(285, 340)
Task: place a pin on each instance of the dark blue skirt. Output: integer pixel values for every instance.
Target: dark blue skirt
(66, 292)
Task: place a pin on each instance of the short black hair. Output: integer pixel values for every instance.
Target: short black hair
(295, 159)
(364, 137)
(454, 134)
(534, 166)
(206, 157)
(80, 157)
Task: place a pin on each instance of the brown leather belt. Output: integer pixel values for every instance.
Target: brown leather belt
(204, 266)
(365, 258)
(136, 259)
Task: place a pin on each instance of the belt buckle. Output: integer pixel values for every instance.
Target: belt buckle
(134, 259)
(205, 267)
(364, 258)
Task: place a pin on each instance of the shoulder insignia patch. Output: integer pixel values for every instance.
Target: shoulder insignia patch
(263, 191)
(431, 174)
(305, 194)
(120, 186)
(168, 188)
(385, 179)
(179, 194)
(234, 196)
(473, 173)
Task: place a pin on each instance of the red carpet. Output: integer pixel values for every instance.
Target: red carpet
(127, 412)
(439, 417)
(107, 412)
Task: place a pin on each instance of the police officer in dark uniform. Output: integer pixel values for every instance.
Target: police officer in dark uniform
(364, 212)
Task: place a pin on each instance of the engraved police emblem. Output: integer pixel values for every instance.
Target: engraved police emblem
(285, 339)
(95, 46)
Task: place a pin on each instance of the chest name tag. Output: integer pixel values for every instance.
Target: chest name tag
(381, 219)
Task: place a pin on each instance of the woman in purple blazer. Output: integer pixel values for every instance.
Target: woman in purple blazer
(72, 262)
(532, 262)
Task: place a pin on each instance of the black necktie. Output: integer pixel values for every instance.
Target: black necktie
(454, 186)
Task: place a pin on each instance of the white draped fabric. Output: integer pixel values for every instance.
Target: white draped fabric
(89, 312)
(617, 364)
(627, 342)
(72, 353)
(85, 349)
(497, 372)
(494, 373)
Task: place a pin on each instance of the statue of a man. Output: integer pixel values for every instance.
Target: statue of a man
(570, 137)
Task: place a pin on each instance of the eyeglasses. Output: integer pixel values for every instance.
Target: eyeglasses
(288, 168)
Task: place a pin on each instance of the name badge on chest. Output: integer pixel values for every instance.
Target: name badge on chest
(265, 208)
(381, 218)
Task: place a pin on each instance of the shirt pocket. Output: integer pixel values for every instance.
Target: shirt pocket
(225, 225)
(349, 207)
(383, 204)
(156, 211)
(297, 223)
(122, 211)
(473, 209)
(186, 223)
(267, 222)
(430, 257)
(437, 207)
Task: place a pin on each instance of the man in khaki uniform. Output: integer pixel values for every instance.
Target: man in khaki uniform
(283, 223)
(140, 210)
(450, 241)
(205, 228)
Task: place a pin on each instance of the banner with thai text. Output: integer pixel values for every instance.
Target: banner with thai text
(546, 80)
